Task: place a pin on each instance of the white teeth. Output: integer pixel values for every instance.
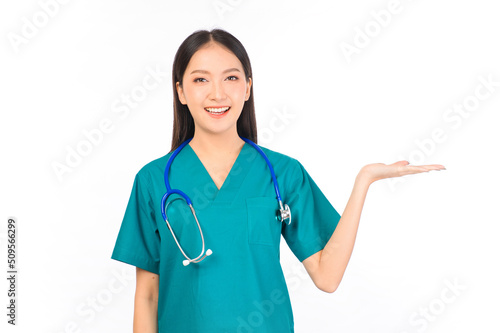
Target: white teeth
(217, 110)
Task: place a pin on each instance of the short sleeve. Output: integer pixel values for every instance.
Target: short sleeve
(138, 241)
(313, 217)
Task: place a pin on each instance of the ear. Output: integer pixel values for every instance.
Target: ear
(249, 85)
(180, 93)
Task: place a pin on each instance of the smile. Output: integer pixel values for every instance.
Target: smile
(218, 111)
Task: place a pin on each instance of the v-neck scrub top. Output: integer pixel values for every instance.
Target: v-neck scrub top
(241, 287)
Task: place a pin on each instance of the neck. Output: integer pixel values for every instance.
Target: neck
(216, 144)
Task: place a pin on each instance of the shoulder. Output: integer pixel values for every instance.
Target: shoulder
(152, 171)
(284, 164)
(277, 156)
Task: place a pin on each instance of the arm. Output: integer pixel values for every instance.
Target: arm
(327, 266)
(146, 302)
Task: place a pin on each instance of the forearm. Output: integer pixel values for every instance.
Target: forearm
(145, 315)
(327, 266)
(337, 252)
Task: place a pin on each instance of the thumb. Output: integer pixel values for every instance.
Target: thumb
(401, 163)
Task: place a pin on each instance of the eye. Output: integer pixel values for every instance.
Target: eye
(232, 78)
(200, 79)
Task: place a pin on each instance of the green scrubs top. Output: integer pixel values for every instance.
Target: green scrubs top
(240, 287)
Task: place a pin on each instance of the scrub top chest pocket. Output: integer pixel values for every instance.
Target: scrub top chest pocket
(263, 227)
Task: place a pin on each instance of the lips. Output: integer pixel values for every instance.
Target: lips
(217, 111)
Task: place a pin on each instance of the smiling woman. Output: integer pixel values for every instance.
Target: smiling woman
(241, 286)
(219, 93)
(231, 70)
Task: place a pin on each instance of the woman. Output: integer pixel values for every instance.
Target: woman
(240, 287)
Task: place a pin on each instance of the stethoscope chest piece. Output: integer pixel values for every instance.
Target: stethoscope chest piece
(284, 214)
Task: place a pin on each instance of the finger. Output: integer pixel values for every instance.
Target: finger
(433, 167)
(401, 163)
(413, 169)
(437, 167)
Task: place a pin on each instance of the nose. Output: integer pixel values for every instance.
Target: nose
(217, 91)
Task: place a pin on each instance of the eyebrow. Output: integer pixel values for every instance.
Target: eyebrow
(202, 71)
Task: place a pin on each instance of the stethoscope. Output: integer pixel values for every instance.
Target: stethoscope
(283, 215)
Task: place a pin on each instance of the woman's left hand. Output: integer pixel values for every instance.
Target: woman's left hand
(377, 171)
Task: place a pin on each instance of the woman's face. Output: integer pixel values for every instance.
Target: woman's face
(214, 89)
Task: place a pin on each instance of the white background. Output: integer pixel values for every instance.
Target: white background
(416, 237)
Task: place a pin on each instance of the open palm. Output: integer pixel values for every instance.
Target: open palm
(377, 171)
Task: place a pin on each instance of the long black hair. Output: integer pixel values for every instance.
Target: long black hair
(183, 121)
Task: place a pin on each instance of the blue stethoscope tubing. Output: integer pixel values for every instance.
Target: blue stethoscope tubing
(285, 213)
